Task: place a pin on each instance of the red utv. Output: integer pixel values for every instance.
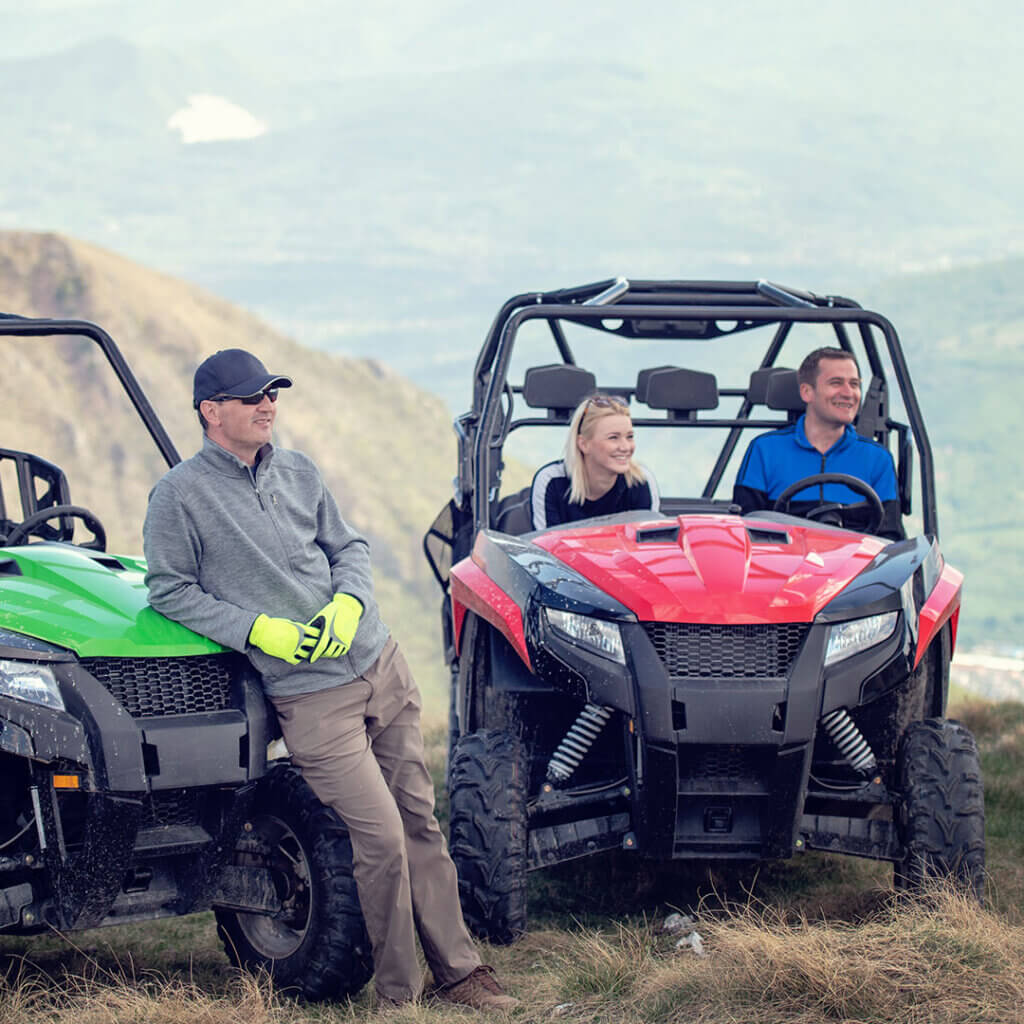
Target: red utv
(694, 684)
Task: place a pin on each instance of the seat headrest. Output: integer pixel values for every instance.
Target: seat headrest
(680, 391)
(644, 376)
(757, 389)
(784, 392)
(558, 386)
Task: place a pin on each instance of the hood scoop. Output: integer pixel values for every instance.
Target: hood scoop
(658, 535)
(9, 567)
(759, 535)
(109, 562)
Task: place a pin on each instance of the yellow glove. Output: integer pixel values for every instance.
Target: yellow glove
(336, 624)
(284, 639)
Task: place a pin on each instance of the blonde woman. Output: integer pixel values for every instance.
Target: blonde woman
(597, 475)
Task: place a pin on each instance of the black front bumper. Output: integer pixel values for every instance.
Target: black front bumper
(718, 766)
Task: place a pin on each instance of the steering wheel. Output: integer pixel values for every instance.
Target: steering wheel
(28, 526)
(832, 511)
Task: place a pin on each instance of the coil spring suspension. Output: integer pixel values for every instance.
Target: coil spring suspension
(577, 741)
(850, 741)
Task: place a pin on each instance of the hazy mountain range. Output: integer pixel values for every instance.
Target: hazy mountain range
(420, 164)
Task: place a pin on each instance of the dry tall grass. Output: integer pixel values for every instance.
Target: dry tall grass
(944, 960)
(818, 940)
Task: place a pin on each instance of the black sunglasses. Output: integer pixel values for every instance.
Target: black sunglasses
(270, 393)
(602, 402)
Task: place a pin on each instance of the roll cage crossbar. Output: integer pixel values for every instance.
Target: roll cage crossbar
(30, 327)
(687, 311)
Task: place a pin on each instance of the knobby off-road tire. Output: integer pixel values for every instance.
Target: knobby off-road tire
(943, 811)
(318, 948)
(487, 832)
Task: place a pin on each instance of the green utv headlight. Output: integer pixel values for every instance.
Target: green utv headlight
(848, 638)
(35, 684)
(27, 643)
(596, 635)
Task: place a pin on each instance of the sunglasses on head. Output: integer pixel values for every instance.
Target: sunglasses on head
(255, 399)
(603, 402)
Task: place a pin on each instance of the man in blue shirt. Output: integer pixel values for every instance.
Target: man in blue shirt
(823, 440)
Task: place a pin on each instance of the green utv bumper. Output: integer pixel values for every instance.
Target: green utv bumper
(145, 705)
(89, 602)
(152, 720)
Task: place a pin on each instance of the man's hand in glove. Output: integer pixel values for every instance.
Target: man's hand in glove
(281, 638)
(336, 624)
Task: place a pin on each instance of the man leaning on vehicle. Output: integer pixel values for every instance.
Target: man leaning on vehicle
(246, 545)
(823, 440)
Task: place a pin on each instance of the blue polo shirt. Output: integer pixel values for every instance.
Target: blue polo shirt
(774, 461)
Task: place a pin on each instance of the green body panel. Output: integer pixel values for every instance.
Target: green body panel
(90, 602)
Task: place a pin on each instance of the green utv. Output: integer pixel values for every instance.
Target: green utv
(134, 776)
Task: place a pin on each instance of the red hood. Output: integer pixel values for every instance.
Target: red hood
(714, 571)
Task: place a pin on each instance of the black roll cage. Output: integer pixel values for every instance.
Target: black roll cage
(685, 310)
(33, 327)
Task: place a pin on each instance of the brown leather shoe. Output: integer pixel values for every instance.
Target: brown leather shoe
(480, 990)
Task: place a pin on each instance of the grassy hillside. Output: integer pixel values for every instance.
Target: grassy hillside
(385, 447)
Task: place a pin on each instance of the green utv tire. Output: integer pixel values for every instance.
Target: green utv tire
(487, 832)
(942, 817)
(318, 949)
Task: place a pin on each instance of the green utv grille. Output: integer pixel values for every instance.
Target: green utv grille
(696, 650)
(166, 686)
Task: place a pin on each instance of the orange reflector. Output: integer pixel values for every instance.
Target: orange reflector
(66, 782)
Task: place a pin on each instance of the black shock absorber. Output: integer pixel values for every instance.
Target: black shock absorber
(849, 740)
(577, 741)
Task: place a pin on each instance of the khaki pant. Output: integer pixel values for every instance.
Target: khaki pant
(360, 748)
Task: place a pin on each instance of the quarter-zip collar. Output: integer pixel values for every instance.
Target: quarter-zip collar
(223, 461)
(849, 435)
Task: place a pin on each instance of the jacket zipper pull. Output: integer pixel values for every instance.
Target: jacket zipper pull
(256, 488)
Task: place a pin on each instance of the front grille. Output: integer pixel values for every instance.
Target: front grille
(166, 686)
(701, 651)
(705, 762)
(172, 807)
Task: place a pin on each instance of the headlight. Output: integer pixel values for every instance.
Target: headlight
(27, 643)
(596, 635)
(849, 638)
(33, 683)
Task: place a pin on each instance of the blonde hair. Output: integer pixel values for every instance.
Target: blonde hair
(583, 424)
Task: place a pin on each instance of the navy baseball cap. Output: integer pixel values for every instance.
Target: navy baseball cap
(235, 372)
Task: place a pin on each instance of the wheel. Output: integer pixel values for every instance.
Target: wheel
(942, 817)
(317, 947)
(824, 510)
(31, 525)
(487, 833)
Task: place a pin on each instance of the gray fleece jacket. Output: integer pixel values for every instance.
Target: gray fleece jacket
(225, 542)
